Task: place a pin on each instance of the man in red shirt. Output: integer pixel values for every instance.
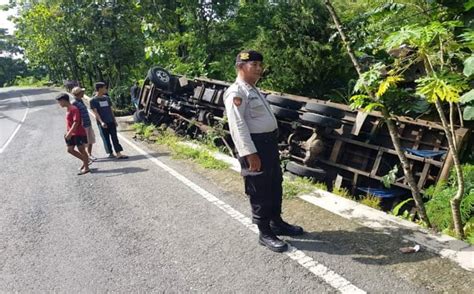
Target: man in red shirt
(75, 133)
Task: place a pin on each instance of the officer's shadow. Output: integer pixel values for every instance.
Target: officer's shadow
(365, 245)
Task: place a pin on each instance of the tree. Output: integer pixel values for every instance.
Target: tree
(82, 41)
(372, 99)
(10, 66)
(436, 46)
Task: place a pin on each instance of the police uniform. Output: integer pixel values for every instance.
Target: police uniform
(254, 129)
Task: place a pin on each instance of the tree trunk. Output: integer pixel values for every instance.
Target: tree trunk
(391, 126)
(415, 191)
(333, 14)
(456, 200)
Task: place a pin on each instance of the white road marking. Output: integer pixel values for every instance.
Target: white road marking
(319, 270)
(17, 127)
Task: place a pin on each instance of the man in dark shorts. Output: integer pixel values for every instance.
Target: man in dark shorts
(102, 107)
(75, 135)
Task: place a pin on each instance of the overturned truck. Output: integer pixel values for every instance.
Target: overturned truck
(326, 141)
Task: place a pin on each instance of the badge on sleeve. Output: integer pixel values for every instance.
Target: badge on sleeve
(237, 101)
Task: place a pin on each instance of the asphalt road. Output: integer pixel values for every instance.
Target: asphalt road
(136, 226)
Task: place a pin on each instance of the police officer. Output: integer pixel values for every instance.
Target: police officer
(254, 130)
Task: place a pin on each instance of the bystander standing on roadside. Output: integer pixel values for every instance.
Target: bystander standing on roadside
(78, 94)
(134, 94)
(102, 107)
(75, 135)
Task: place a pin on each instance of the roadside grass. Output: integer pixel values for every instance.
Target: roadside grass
(343, 192)
(371, 201)
(293, 187)
(201, 156)
(138, 128)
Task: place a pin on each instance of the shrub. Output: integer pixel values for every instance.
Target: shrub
(438, 207)
(120, 97)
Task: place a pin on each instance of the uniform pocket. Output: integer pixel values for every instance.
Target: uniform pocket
(256, 108)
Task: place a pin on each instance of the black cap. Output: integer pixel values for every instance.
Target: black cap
(99, 85)
(248, 55)
(63, 96)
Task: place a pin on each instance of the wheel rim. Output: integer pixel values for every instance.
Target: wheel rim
(162, 76)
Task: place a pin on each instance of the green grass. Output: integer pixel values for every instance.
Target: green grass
(299, 186)
(167, 139)
(343, 192)
(203, 157)
(139, 128)
(148, 131)
(371, 201)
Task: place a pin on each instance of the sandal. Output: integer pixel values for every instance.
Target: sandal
(83, 172)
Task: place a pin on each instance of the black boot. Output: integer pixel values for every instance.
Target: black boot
(268, 239)
(282, 228)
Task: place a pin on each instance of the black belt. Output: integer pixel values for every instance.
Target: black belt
(265, 136)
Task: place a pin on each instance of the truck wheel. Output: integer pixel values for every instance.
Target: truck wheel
(325, 110)
(139, 116)
(283, 113)
(160, 77)
(320, 120)
(284, 102)
(305, 171)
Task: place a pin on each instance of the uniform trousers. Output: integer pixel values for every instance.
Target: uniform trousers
(264, 189)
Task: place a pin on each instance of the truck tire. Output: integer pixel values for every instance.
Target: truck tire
(159, 77)
(284, 113)
(284, 102)
(325, 110)
(320, 120)
(305, 171)
(139, 116)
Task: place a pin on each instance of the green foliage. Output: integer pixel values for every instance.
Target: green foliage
(469, 230)
(139, 128)
(382, 85)
(439, 208)
(468, 99)
(445, 87)
(148, 131)
(398, 207)
(30, 81)
(469, 66)
(81, 41)
(390, 177)
(371, 201)
(120, 97)
(296, 186)
(10, 67)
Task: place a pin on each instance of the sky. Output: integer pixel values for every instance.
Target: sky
(4, 23)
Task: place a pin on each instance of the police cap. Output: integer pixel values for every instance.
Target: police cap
(248, 55)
